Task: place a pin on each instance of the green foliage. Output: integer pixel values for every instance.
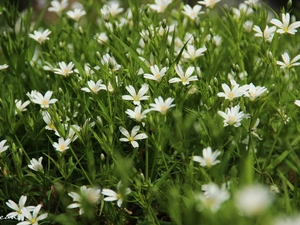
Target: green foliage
(166, 184)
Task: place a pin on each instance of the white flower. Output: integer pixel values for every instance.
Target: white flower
(254, 129)
(48, 67)
(36, 165)
(110, 87)
(110, 62)
(88, 70)
(160, 5)
(62, 144)
(162, 106)
(40, 36)
(242, 10)
(133, 136)
(136, 97)
(297, 103)
(233, 92)
(285, 26)
(105, 12)
(64, 69)
(31, 94)
(91, 195)
(190, 12)
(76, 14)
(192, 53)
(253, 200)
(18, 208)
(252, 3)
(43, 101)
(287, 63)
(287, 220)
(70, 131)
(3, 148)
(209, 157)
(254, 92)
(47, 119)
(114, 8)
(217, 40)
(137, 113)
(57, 6)
(213, 196)
(157, 74)
(115, 196)
(21, 107)
(145, 34)
(248, 25)
(94, 87)
(232, 116)
(186, 77)
(267, 34)
(209, 3)
(34, 218)
(4, 66)
(101, 38)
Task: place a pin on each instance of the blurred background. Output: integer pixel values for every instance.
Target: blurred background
(277, 5)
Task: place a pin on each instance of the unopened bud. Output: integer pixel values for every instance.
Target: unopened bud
(102, 157)
(164, 23)
(142, 177)
(289, 4)
(105, 12)
(99, 121)
(61, 44)
(270, 55)
(98, 55)
(80, 29)
(274, 189)
(216, 81)
(192, 89)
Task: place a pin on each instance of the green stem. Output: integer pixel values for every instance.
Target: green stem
(83, 170)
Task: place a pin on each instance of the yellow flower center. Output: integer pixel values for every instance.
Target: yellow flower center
(252, 96)
(41, 39)
(230, 95)
(210, 202)
(94, 89)
(131, 139)
(51, 125)
(138, 117)
(66, 71)
(208, 162)
(44, 102)
(136, 98)
(163, 109)
(62, 147)
(231, 120)
(162, 8)
(119, 196)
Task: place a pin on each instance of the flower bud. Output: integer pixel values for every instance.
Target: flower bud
(274, 189)
(99, 121)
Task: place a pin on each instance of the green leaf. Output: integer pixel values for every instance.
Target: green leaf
(278, 160)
